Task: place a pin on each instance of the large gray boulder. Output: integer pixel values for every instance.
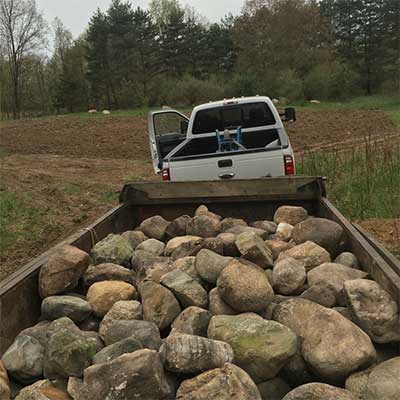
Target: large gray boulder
(113, 249)
(265, 225)
(153, 246)
(107, 272)
(238, 229)
(187, 290)
(204, 225)
(335, 275)
(62, 271)
(260, 347)
(177, 227)
(192, 321)
(38, 331)
(384, 381)
(159, 304)
(348, 259)
(319, 391)
(69, 351)
(229, 245)
(322, 293)
(227, 383)
(253, 248)
(187, 265)
(214, 244)
(24, 359)
(179, 241)
(193, 354)
(134, 238)
(209, 265)
(373, 310)
(309, 253)
(228, 223)
(290, 214)
(331, 345)
(324, 232)
(137, 375)
(244, 286)
(146, 332)
(217, 306)
(277, 247)
(109, 353)
(154, 227)
(288, 276)
(73, 307)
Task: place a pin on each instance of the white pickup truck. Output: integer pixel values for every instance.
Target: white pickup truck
(239, 138)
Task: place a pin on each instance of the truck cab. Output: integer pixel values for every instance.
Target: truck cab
(240, 138)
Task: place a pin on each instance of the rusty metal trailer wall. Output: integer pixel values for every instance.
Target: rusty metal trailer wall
(251, 200)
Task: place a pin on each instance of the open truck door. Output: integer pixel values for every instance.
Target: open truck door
(167, 130)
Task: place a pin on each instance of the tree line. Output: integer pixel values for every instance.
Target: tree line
(169, 54)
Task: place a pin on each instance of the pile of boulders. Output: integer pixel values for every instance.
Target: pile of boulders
(208, 308)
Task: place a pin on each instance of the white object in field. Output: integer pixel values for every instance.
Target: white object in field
(106, 112)
(92, 111)
(166, 108)
(315, 102)
(275, 101)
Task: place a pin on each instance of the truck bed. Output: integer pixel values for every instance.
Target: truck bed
(249, 199)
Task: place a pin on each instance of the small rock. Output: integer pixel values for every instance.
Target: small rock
(204, 226)
(125, 309)
(134, 238)
(253, 248)
(284, 232)
(178, 241)
(145, 332)
(384, 381)
(309, 253)
(177, 227)
(69, 352)
(73, 307)
(156, 270)
(188, 291)
(202, 209)
(192, 321)
(348, 259)
(322, 293)
(260, 347)
(214, 244)
(107, 272)
(228, 240)
(209, 265)
(288, 276)
(137, 375)
(228, 223)
(373, 310)
(109, 353)
(335, 275)
(159, 304)
(113, 249)
(319, 391)
(42, 390)
(154, 227)
(153, 246)
(274, 389)
(62, 271)
(277, 247)
(217, 306)
(227, 383)
(290, 215)
(5, 391)
(194, 354)
(244, 286)
(324, 232)
(265, 225)
(24, 359)
(102, 295)
(238, 229)
(187, 265)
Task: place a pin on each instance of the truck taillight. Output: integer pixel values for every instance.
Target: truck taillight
(165, 174)
(289, 165)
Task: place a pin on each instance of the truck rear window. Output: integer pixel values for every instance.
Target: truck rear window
(231, 117)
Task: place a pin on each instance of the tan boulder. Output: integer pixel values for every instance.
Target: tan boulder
(290, 214)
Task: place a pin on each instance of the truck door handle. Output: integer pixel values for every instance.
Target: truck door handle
(226, 176)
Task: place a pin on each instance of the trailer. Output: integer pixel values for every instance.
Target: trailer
(249, 199)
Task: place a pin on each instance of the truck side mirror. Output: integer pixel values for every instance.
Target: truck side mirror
(290, 114)
(184, 126)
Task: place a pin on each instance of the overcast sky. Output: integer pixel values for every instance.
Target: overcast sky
(75, 14)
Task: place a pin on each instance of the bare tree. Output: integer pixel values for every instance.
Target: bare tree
(22, 31)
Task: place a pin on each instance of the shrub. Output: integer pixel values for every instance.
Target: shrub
(289, 85)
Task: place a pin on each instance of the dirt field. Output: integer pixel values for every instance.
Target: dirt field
(66, 171)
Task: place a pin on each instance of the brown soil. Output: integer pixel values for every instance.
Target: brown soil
(72, 167)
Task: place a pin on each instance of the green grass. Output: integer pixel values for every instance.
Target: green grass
(391, 105)
(17, 219)
(362, 183)
(72, 189)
